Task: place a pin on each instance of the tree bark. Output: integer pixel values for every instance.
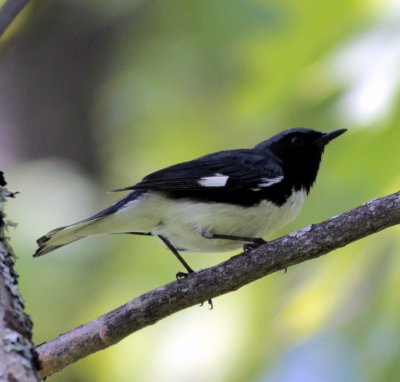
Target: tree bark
(305, 244)
(18, 358)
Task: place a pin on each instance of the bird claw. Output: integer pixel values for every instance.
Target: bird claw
(209, 303)
(185, 275)
(182, 275)
(248, 247)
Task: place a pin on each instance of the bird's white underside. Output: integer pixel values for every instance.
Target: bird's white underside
(183, 221)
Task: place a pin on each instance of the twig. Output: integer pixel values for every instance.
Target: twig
(9, 11)
(305, 244)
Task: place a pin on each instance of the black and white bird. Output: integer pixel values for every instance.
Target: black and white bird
(214, 203)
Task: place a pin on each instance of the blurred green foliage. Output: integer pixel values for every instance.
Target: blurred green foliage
(188, 77)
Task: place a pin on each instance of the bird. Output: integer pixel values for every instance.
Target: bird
(215, 203)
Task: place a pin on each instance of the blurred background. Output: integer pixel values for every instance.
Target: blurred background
(96, 94)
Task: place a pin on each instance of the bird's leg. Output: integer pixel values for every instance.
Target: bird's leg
(139, 233)
(181, 275)
(251, 242)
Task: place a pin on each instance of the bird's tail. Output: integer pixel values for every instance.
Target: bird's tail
(106, 221)
(60, 236)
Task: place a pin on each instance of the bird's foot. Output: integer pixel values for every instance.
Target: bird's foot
(185, 275)
(248, 247)
(210, 303)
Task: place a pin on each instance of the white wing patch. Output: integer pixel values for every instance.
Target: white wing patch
(267, 182)
(217, 180)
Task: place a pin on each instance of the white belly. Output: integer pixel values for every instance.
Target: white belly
(183, 221)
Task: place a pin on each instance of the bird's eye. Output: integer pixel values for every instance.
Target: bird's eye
(297, 141)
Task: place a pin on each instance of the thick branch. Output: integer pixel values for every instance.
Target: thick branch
(9, 11)
(305, 244)
(17, 353)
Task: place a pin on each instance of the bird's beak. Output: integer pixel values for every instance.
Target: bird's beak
(329, 136)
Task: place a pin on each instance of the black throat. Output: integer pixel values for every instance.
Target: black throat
(302, 172)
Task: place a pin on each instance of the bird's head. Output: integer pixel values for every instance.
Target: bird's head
(300, 151)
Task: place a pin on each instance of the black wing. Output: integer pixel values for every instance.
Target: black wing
(227, 170)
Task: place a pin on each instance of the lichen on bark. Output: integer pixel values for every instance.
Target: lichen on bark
(18, 358)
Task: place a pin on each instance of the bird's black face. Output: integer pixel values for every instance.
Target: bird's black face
(300, 151)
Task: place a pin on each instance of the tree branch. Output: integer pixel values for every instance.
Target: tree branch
(305, 244)
(9, 11)
(18, 359)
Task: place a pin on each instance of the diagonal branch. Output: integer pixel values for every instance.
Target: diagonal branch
(9, 11)
(305, 244)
